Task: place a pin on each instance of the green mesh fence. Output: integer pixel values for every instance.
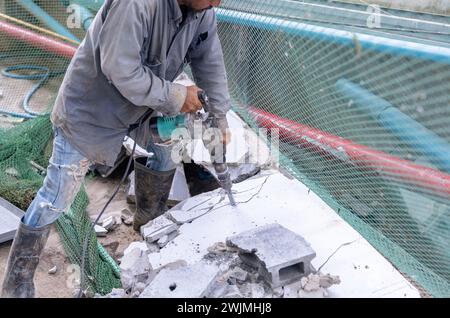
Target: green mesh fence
(361, 96)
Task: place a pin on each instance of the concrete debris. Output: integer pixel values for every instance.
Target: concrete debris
(131, 195)
(163, 241)
(291, 290)
(53, 270)
(127, 217)
(280, 255)
(278, 292)
(310, 283)
(116, 293)
(109, 223)
(135, 268)
(319, 293)
(326, 281)
(193, 281)
(238, 275)
(232, 292)
(140, 245)
(218, 247)
(139, 287)
(157, 228)
(100, 231)
(252, 290)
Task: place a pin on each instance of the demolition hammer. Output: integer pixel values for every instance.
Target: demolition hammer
(162, 128)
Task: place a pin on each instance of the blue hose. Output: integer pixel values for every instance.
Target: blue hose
(43, 76)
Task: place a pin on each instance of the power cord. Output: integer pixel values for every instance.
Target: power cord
(91, 229)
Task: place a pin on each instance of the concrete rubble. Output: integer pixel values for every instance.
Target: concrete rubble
(157, 228)
(135, 268)
(221, 273)
(100, 231)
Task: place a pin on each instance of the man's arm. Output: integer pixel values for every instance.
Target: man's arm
(208, 68)
(121, 41)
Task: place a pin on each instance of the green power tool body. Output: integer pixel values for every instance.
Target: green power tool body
(162, 128)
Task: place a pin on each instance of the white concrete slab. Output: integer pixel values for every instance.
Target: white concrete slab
(9, 220)
(273, 198)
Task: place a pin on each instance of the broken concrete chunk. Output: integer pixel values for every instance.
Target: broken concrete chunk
(157, 228)
(100, 231)
(238, 274)
(312, 283)
(109, 223)
(135, 268)
(163, 241)
(193, 281)
(280, 255)
(140, 245)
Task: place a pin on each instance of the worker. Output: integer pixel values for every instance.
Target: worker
(122, 72)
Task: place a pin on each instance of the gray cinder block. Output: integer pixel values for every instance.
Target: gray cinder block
(280, 255)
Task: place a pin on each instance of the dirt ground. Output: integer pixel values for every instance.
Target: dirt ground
(59, 285)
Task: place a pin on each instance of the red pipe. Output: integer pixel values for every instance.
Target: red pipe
(37, 40)
(309, 137)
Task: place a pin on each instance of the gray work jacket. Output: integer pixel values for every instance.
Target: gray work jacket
(125, 67)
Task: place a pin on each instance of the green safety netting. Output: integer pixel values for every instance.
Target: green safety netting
(360, 95)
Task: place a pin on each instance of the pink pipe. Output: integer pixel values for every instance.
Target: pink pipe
(37, 40)
(309, 137)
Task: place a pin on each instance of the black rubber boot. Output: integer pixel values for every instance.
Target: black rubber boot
(199, 179)
(152, 190)
(23, 260)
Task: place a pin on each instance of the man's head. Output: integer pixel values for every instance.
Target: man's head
(200, 5)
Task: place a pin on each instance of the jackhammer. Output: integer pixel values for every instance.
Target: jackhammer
(162, 128)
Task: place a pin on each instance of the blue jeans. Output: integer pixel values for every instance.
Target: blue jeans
(66, 172)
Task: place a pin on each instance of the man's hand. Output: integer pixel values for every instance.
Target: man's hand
(192, 104)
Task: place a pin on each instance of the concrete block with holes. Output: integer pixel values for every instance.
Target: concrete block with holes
(280, 255)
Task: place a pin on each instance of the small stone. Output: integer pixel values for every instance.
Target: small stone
(53, 270)
(218, 247)
(100, 231)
